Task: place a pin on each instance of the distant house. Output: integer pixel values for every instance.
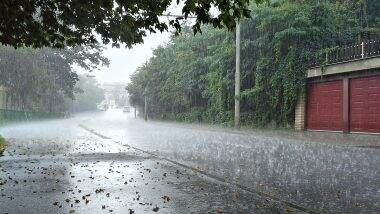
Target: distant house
(344, 95)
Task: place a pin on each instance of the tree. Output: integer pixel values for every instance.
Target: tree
(192, 77)
(41, 79)
(50, 23)
(88, 95)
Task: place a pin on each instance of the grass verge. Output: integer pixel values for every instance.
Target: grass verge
(3, 144)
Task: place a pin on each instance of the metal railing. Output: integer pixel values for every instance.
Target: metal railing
(363, 50)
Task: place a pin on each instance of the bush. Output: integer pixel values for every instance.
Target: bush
(2, 145)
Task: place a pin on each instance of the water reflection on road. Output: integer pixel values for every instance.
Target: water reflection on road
(58, 166)
(327, 174)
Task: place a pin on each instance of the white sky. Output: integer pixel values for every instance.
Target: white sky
(124, 61)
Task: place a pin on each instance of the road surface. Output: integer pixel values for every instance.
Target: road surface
(110, 162)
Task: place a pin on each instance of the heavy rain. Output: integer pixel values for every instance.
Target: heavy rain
(190, 107)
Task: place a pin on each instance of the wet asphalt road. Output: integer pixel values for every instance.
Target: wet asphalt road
(111, 162)
(60, 167)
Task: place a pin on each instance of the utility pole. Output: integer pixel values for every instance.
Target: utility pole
(237, 77)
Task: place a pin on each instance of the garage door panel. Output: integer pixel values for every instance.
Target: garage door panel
(365, 104)
(325, 106)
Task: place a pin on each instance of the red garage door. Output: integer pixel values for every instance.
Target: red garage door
(324, 106)
(365, 104)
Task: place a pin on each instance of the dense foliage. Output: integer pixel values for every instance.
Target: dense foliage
(50, 23)
(2, 145)
(88, 94)
(42, 79)
(192, 77)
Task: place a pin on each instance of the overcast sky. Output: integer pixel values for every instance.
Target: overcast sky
(124, 61)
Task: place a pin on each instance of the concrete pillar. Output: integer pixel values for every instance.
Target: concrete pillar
(300, 114)
(346, 105)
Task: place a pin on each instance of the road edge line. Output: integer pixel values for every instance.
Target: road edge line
(245, 188)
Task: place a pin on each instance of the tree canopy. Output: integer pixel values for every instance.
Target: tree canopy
(88, 94)
(43, 79)
(192, 77)
(51, 23)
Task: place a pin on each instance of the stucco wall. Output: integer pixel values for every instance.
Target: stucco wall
(357, 65)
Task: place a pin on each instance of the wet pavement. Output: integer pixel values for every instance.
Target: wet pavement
(60, 167)
(111, 162)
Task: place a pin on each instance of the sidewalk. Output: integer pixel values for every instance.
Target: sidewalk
(312, 137)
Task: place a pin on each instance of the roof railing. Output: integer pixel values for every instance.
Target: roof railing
(363, 50)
